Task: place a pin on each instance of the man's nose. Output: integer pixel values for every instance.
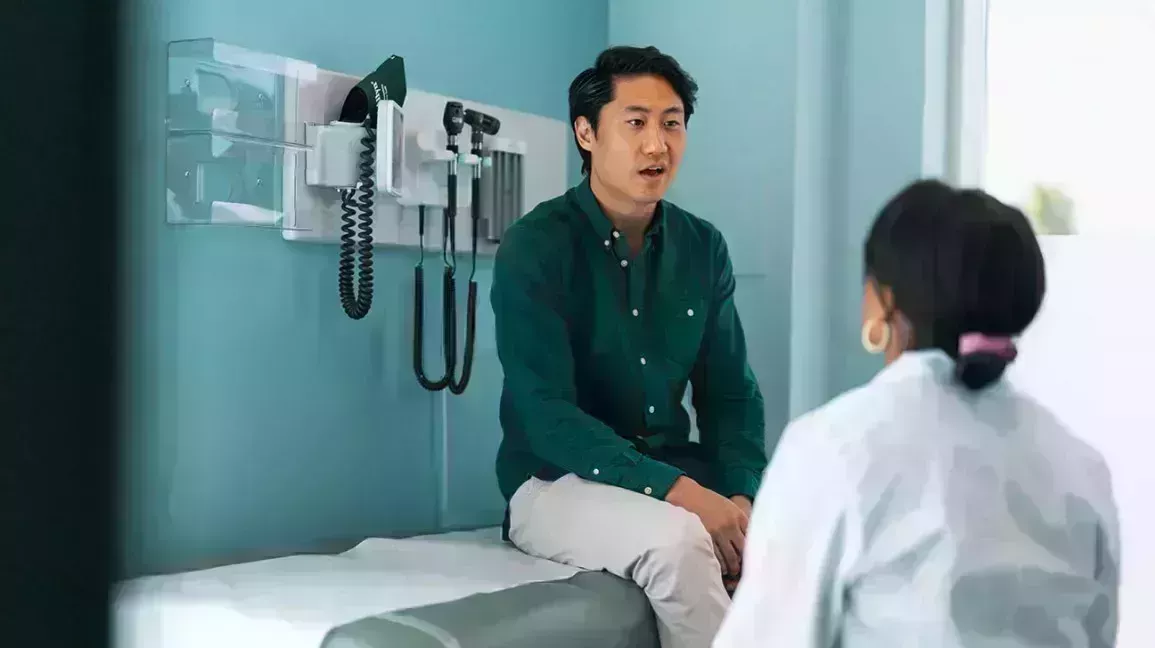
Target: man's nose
(653, 141)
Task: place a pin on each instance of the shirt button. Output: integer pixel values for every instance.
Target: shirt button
(651, 409)
(607, 242)
(596, 471)
(625, 263)
(690, 312)
(635, 312)
(643, 361)
(648, 491)
(617, 234)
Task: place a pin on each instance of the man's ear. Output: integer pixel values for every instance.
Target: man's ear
(584, 131)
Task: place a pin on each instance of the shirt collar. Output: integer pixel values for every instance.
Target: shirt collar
(607, 233)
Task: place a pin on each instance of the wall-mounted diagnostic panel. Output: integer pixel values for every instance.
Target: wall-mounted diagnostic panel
(257, 139)
(261, 140)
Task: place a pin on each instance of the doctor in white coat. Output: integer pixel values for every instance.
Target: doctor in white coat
(935, 506)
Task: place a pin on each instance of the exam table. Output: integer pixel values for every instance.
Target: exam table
(463, 589)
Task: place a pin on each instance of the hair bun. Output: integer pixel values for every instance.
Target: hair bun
(978, 370)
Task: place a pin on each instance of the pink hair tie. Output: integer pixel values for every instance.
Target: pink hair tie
(1001, 346)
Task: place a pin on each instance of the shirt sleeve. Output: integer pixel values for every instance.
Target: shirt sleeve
(533, 347)
(797, 544)
(726, 396)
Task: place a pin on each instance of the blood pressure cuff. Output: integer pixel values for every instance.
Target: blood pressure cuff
(385, 83)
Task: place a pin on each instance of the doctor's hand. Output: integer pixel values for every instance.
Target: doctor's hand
(724, 520)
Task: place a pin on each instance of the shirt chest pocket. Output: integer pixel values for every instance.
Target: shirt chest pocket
(683, 327)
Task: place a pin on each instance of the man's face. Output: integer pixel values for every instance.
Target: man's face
(640, 139)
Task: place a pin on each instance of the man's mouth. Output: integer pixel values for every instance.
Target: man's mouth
(654, 171)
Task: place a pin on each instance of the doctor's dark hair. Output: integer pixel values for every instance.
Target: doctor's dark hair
(957, 262)
(593, 88)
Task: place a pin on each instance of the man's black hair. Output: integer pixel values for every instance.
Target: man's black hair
(957, 262)
(593, 88)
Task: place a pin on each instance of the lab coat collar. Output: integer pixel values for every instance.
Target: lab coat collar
(912, 363)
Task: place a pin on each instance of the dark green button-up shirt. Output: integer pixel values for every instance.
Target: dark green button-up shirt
(598, 347)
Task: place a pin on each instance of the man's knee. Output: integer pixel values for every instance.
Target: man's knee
(680, 553)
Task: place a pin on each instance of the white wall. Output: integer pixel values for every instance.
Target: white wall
(1089, 356)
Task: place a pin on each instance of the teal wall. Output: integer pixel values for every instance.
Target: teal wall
(890, 130)
(259, 416)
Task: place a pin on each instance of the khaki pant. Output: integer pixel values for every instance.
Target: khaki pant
(662, 548)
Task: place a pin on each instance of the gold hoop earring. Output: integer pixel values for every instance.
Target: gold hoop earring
(868, 344)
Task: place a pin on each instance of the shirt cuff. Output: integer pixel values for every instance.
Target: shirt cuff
(739, 481)
(656, 478)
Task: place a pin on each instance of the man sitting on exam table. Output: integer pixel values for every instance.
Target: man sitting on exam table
(936, 505)
(607, 301)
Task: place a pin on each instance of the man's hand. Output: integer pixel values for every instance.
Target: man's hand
(724, 520)
(743, 503)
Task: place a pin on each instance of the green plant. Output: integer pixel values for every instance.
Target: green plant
(1051, 211)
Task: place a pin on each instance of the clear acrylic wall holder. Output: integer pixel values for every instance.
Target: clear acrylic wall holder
(234, 143)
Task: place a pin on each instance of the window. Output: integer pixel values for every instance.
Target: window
(1056, 110)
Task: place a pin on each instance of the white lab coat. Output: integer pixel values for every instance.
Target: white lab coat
(910, 513)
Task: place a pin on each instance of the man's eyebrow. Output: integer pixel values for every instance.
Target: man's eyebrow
(644, 110)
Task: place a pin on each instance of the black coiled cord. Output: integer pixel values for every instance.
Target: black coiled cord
(357, 302)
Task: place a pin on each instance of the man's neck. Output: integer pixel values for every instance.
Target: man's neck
(627, 216)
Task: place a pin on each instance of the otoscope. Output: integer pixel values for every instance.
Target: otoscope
(453, 120)
(480, 125)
